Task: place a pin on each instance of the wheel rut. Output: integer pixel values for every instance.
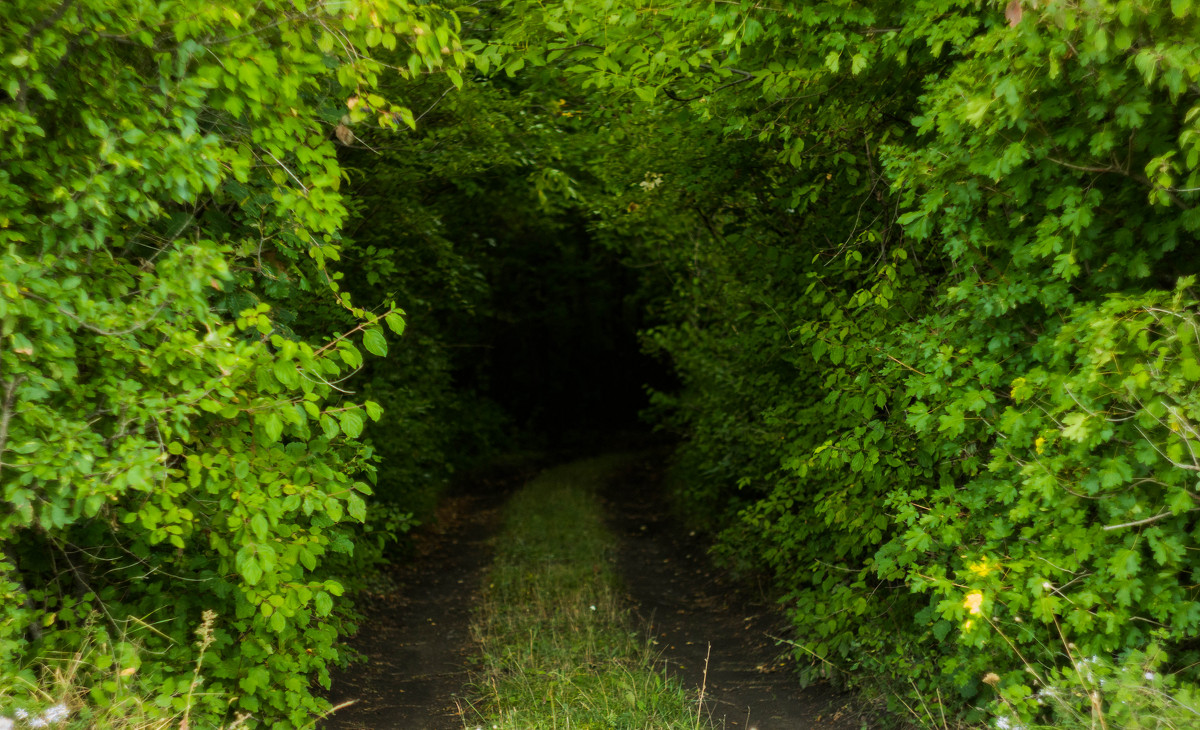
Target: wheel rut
(712, 632)
(416, 635)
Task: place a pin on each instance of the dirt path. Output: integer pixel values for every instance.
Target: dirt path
(695, 613)
(416, 636)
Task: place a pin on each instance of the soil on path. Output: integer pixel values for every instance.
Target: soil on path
(712, 632)
(416, 634)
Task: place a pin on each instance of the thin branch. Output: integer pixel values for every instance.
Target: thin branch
(1148, 520)
(6, 412)
(98, 330)
(1085, 168)
(435, 103)
(745, 76)
(1172, 462)
(285, 167)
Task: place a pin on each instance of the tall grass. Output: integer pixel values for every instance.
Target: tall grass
(560, 650)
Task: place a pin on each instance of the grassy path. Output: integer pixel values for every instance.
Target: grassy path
(560, 650)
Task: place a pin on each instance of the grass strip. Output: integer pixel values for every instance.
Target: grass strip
(560, 650)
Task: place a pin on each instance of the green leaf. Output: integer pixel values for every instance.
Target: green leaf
(247, 564)
(395, 321)
(259, 525)
(330, 426)
(307, 559)
(374, 411)
(1076, 427)
(350, 354)
(818, 349)
(356, 508)
(351, 422)
(286, 373)
(323, 604)
(272, 425)
(375, 342)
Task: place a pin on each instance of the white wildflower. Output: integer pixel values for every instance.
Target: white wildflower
(1149, 675)
(6, 723)
(51, 716)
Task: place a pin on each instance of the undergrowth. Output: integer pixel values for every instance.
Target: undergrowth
(559, 649)
(99, 687)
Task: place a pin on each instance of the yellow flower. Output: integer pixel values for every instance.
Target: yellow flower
(1039, 444)
(982, 569)
(973, 602)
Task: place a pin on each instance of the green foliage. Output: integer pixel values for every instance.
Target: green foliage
(172, 431)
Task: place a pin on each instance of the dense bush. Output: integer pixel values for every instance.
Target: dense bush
(174, 433)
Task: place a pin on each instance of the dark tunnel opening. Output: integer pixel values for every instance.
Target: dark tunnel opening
(562, 355)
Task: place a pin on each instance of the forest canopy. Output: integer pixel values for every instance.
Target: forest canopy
(922, 274)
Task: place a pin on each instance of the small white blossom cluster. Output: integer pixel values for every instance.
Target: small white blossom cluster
(1046, 693)
(51, 716)
(653, 180)
(1085, 666)
(1004, 723)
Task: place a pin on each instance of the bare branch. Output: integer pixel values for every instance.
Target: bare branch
(1148, 520)
(6, 412)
